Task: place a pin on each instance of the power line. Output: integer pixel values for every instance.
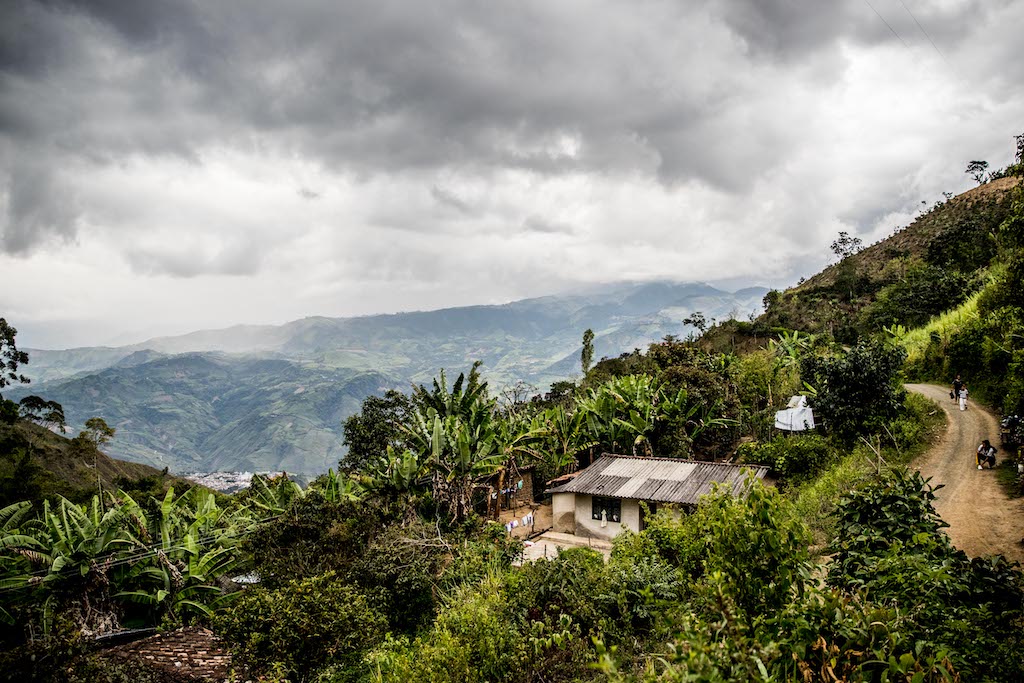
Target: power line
(936, 47)
(143, 553)
(886, 23)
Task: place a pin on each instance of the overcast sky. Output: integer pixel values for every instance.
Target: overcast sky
(172, 165)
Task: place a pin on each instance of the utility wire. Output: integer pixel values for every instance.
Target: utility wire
(145, 553)
(886, 23)
(936, 47)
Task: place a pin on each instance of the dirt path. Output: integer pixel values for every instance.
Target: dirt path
(982, 520)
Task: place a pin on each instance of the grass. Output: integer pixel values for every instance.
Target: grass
(1009, 478)
(947, 324)
(917, 340)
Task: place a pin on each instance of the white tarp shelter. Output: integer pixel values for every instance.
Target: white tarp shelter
(797, 417)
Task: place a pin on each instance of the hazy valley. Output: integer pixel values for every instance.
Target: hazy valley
(265, 398)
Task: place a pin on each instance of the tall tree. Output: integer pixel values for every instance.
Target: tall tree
(49, 414)
(976, 169)
(587, 354)
(376, 427)
(699, 320)
(10, 357)
(846, 245)
(97, 431)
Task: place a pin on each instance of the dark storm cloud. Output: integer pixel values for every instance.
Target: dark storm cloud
(670, 91)
(784, 28)
(788, 29)
(39, 205)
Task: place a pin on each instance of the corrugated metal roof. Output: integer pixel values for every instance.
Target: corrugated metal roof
(663, 480)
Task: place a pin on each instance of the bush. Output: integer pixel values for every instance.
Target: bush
(924, 291)
(301, 626)
(791, 456)
(890, 544)
(756, 544)
(856, 391)
(473, 639)
(401, 566)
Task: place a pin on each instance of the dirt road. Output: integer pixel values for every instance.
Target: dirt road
(982, 520)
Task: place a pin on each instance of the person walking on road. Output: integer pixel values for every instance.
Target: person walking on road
(986, 454)
(962, 394)
(957, 384)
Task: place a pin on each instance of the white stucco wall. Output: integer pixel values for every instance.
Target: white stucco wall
(631, 514)
(591, 528)
(563, 512)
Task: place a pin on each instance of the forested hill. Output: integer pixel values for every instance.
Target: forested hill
(36, 463)
(209, 411)
(926, 268)
(274, 397)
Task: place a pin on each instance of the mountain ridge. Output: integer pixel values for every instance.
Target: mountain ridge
(195, 402)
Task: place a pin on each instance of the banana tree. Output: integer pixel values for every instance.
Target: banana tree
(454, 451)
(338, 488)
(622, 412)
(566, 436)
(181, 581)
(14, 566)
(70, 550)
(272, 495)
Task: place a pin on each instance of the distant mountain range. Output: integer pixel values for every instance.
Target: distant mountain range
(273, 397)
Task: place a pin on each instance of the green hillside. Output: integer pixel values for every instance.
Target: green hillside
(204, 412)
(271, 398)
(920, 271)
(522, 340)
(37, 463)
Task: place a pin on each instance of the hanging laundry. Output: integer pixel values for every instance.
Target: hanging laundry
(519, 484)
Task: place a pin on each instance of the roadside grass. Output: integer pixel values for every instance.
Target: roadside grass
(904, 439)
(1009, 478)
(945, 325)
(916, 341)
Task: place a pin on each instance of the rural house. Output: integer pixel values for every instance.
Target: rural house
(598, 501)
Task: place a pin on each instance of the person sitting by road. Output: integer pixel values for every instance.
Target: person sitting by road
(986, 453)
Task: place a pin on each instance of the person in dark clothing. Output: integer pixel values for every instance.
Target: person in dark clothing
(986, 454)
(957, 385)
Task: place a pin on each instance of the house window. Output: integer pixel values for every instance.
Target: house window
(610, 506)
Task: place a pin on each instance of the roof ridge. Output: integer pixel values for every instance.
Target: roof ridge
(663, 458)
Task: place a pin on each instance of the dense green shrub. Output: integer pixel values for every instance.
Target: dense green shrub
(924, 291)
(890, 544)
(492, 551)
(314, 535)
(473, 639)
(565, 585)
(400, 566)
(858, 390)
(791, 456)
(301, 626)
(756, 543)
(967, 245)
